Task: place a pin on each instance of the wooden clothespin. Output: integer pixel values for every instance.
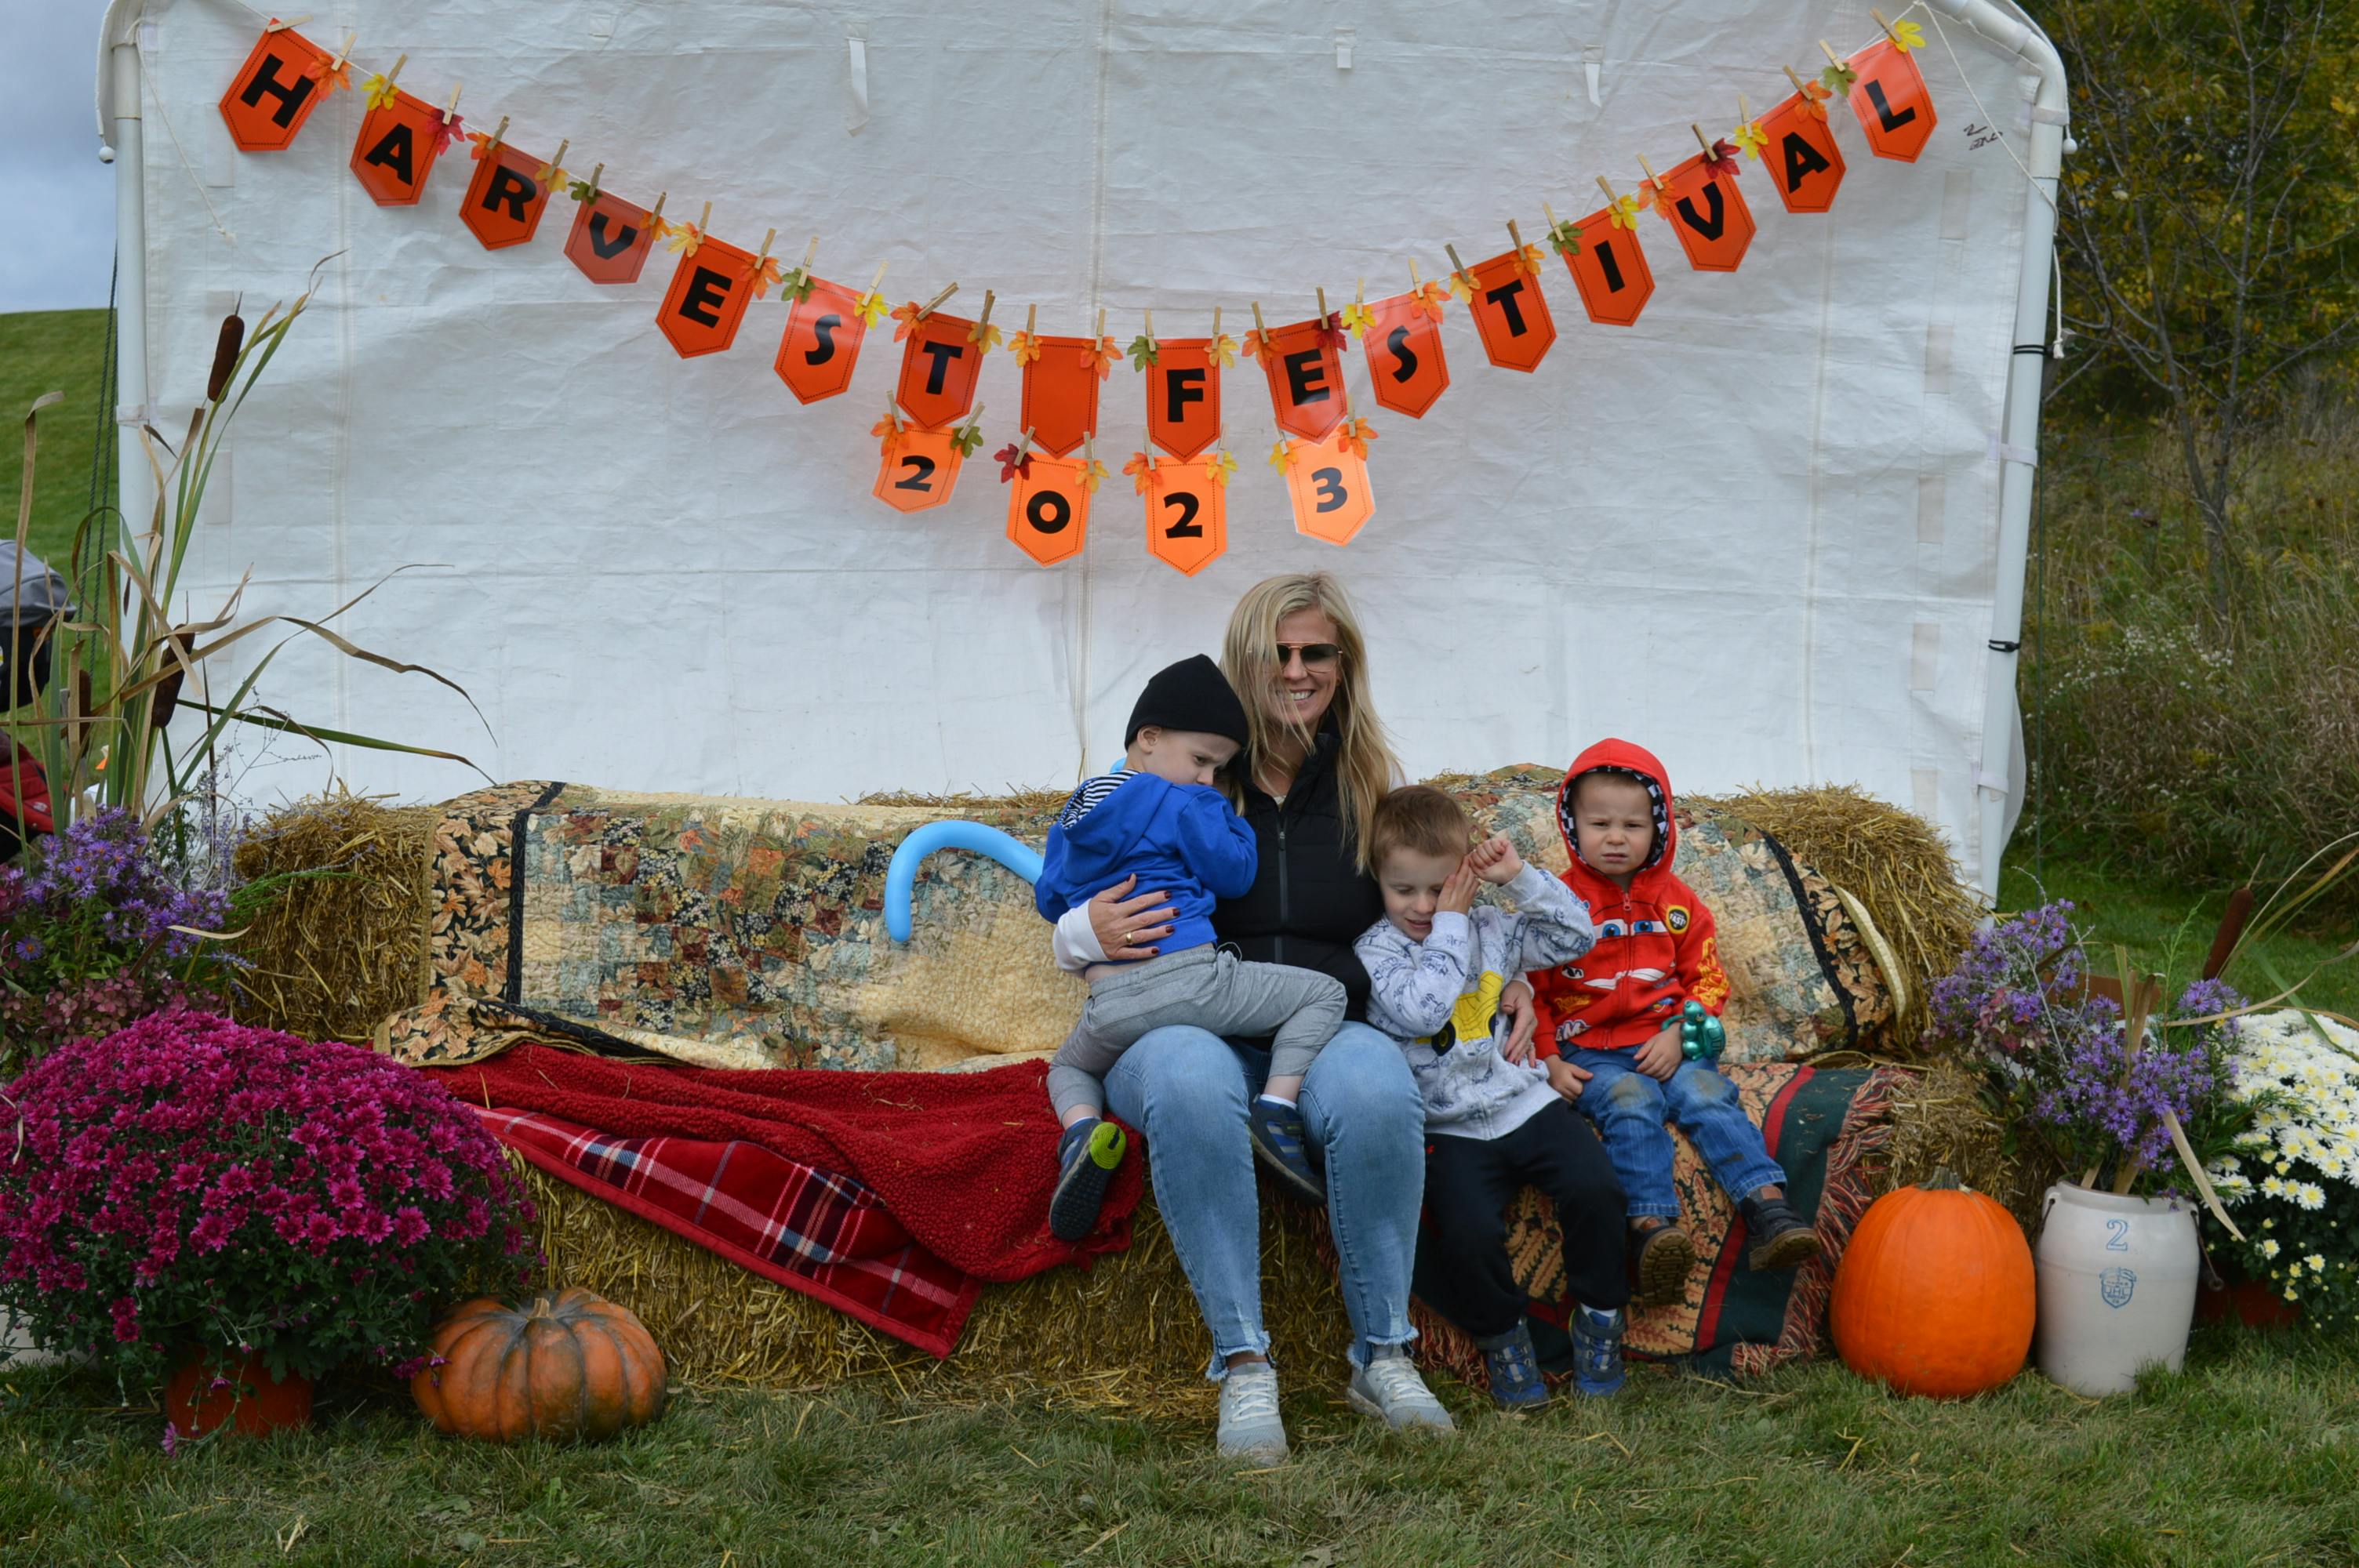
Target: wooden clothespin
(1360, 296)
(1606, 186)
(593, 180)
(1257, 322)
(1031, 318)
(1217, 323)
(1515, 234)
(1795, 80)
(451, 110)
(498, 131)
(704, 223)
(928, 308)
(1150, 326)
(763, 254)
(1322, 307)
(557, 163)
(1458, 268)
(1711, 155)
(275, 25)
(1832, 58)
(985, 319)
(1415, 282)
(809, 252)
(1101, 331)
(1886, 25)
(1548, 212)
(1653, 179)
(395, 74)
(344, 54)
(1743, 110)
(876, 284)
(655, 213)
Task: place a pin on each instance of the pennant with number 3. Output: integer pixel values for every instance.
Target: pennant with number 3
(1327, 483)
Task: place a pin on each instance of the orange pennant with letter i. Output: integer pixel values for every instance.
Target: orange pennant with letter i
(1609, 268)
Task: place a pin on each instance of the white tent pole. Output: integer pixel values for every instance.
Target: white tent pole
(134, 482)
(2019, 426)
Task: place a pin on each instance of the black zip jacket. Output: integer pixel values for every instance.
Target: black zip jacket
(1309, 901)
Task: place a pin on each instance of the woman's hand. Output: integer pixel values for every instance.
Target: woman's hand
(1523, 1022)
(1128, 927)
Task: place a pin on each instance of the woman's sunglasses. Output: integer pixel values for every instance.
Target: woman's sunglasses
(1313, 654)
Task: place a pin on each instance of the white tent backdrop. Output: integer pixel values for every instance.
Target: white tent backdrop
(1758, 532)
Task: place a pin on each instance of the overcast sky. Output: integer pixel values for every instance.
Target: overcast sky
(60, 197)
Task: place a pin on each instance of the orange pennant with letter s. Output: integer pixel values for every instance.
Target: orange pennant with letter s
(709, 290)
(1804, 163)
(504, 200)
(274, 92)
(1708, 213)
(1183, 396)
(919, 470)
(1304, 362)
(1510, 311)
(1894, 106)
(1610, 269)
(1060, 394)
(821, 342)
(1327, 483)
(1404, 349)
(396, 149)
(611, 239)
(1049, 508)
(1187, 515)
(938, 370)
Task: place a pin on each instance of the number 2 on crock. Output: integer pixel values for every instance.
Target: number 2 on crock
(1049, 510)
(1330, 489)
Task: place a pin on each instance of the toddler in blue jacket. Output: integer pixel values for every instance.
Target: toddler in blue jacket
(1160, 818)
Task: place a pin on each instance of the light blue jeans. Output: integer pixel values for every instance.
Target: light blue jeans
(1187, 1090)
(1629, 1108)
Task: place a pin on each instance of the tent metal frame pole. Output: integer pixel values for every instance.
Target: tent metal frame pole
(2019, 426)
(134, 482)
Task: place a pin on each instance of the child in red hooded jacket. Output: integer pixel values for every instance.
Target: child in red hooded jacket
(1611, 1022)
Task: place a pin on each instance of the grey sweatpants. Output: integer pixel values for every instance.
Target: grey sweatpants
(1209, 986)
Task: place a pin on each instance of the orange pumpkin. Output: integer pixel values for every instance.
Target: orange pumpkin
(1935, 1295)
(568, 1366)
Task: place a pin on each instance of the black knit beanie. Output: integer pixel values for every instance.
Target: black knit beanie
(1190, 695)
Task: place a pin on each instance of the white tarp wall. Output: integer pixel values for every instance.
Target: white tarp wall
(1756, 531)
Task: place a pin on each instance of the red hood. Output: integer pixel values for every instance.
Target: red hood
(1625, 757)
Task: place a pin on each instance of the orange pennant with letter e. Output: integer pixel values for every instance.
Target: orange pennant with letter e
(1327, 483)
(1183, 396)
(1894, 106)
(398, 146)
(938, 369)
(1708, 213)
(1060, 394)
(506, 198)
(611, 239)
(709, 290)
(1510, 311)
(274, 91)
(1187, 515)
(1049, 508)
(1610, 270)
(920, 469)
(821, 342)
(1304, 362)
(1404, 359)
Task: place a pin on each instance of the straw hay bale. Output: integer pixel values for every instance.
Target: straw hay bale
(1940, 1118)
(336, 951)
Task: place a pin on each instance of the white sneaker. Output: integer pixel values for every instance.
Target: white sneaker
(1250, 1427)
(1390, 1389)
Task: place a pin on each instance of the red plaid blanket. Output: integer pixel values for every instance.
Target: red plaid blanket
(810, 1230)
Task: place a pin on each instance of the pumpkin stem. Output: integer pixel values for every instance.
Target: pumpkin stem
(545, 1307)
(1943, 1181)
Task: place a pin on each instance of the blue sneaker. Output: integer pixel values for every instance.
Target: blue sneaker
(1596, 1351)
(1278, 1142)
(1515, 1370)
(1086, 1157)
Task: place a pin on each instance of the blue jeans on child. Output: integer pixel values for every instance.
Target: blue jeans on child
(1629, 1108)
(1187, 1089)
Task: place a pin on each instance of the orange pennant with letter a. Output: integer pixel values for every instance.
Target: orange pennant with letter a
(1049, 510)
(938, 370)
(1060, 394)
(1304, 362)
(396, 149)
(504, 200)
(1183, 396)
(1404, 349)
(920, 469)
(1894, 106)
(709, 290)
(1510, 311)
(611, 239)
(1329, 486)
(1801, 156)
(1610, 270)
(821, 342)
(1187, 515)
(274, 91)
(1708, 213)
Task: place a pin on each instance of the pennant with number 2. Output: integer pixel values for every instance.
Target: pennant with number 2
(1187, 515)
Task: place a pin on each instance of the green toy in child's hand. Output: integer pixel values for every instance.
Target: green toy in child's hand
(1702, 1037)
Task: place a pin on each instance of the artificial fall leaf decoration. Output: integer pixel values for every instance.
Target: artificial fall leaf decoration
(446, 131)
(583, 190)
(1143, 352)
(549, 177)
(1141, 468)
(1462, 287)
(907, 315)
(1025, 346)
(1751, 138)
(797, 285)
(1658, 197)
(660, 227)
(1565, 237)
(1838, 77)
(1257, 344)
(967, 437)
(1527, 261)
(330, 74)
(1624, 213)
(1354, 436)
(1358, 319)
(1907, 36)
(685, 238)
(1430, 297)
(484, 146)
(1093, 474)
(1219, 467)
(1331, 330)
(1222, 350)
(1281, 456)
(890, 427)
(1814, 99)
(379, 93)
(1105, 355)
(870, 305)
(1012, 461)
(1723, 157)
(763, 271)
(983, 335)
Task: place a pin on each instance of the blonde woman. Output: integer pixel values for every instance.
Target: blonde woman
(1315, 764)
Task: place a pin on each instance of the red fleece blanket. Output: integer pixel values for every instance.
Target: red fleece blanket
(964, 1162)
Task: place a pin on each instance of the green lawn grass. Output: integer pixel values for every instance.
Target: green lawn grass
(42, 351)
(2249, 1455)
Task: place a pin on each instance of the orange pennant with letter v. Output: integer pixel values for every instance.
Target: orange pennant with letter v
(1708, 213)
(611, 239)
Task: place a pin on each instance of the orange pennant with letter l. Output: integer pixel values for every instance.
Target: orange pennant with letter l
(1183, 396)
(1328, 483)
(709, 290)
(938, 370)
(921, 468)
(1510, 311)
(1894, 106)
(1060, 394)
(821, 342)
(506, 198)
(1404, 359)
(1304, 362)
(1803, 161)
(396, 149)
(274, 91)
(1049, 510)
(1187, 515)
(1708, 214)
(1610, 270)
(611, 239)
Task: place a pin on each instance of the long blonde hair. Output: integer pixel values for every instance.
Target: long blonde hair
(1365, 767)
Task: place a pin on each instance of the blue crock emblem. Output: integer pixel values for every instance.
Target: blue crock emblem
(2115, 1285)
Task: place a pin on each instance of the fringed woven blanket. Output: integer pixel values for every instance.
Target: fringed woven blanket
(1823, 1126)
(750, 934)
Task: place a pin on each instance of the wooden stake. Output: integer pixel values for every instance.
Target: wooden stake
(928, 308)
(1886, 25)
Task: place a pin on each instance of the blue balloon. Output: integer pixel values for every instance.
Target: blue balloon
(1011, 852)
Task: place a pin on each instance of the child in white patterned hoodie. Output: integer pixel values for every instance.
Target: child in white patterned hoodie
(1493, 1125)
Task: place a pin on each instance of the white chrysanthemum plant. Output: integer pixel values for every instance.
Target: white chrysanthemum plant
(2293, 1181)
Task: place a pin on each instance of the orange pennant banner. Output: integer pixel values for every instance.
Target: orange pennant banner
(611, 239)
(1060, 394)
(1183, 396)
(396, 149)
(1801, 156)
(1328, 483)
(1610, 270)
(506, 198)
(1511, 312)
(1304, 362)
(1404, 349)
(709, 290)
(938, 370)
(919, 471)
(1187, 515)
(1708, 213)
(1049, 510)
(821, 342)
(1894, 106)
(274, 92)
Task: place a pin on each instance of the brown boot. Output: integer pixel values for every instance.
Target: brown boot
(1665, 1257)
